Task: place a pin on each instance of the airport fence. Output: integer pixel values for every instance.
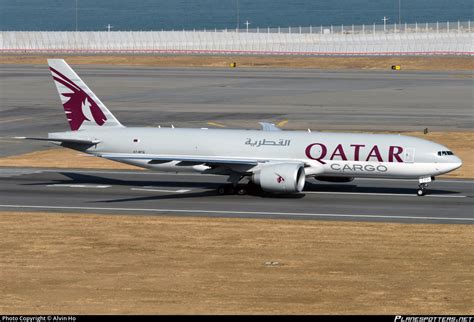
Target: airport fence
(436, 27)
(414, 39)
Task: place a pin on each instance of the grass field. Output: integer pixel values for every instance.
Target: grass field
(73, 264)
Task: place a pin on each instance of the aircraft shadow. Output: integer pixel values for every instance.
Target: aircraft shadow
(353, 188)
(208, 193)
(211, 188)
(80, 178)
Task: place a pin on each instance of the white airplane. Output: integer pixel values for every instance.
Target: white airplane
(277, 161)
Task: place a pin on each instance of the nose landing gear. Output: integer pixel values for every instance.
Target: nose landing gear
(421, 190)
(422, 186)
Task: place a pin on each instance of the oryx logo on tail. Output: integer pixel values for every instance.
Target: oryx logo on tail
(81, 105)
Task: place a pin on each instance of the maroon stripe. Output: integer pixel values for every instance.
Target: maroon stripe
(72, 88)
(65, 78)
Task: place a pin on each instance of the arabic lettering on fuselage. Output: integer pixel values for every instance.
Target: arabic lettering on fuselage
(265, 142)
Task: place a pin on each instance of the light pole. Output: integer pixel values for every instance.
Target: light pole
(238, 16)
(384, 23)
(247, 23)
(76, 15)
(399, 12)
(109, 27)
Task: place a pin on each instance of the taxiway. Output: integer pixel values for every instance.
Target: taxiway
(153, 193)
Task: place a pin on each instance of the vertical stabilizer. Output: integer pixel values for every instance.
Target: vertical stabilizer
(82, 107)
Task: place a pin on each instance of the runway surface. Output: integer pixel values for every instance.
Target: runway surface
(153, 193)
(193, 97)
(200, 97)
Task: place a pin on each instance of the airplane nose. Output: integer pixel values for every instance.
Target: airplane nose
(457, 163)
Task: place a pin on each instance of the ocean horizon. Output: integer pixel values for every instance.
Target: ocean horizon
(125, 15)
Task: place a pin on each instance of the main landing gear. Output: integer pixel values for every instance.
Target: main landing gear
(239, 184)
(424, 182)
(230, 189)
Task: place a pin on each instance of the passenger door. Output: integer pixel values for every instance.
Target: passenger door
(409, 155)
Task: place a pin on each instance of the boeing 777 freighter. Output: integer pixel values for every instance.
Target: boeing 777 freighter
(277, 161)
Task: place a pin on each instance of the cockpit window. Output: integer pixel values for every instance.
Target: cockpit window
(443, 153)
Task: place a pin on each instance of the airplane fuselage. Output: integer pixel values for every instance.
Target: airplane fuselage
(324, 153)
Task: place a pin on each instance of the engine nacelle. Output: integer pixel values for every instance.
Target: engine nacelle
(334, 179)
(282, 178)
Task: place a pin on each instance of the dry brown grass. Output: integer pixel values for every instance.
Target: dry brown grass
(461, 143)
(73, 264)
(62, 158)
(383, 63)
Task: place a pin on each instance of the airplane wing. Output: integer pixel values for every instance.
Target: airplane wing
(226, 162)
(59, 140)
(155, 158)
(269, 127)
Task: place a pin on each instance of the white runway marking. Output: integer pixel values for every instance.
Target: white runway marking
(444, 196)
(161, 190)
(381, 194)
(87, 186)
(228, 212)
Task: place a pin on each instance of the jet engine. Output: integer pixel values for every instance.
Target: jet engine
(334, 179)
(281, 178)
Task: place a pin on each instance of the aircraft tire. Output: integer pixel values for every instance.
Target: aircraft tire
(241, 191)
(222, 190)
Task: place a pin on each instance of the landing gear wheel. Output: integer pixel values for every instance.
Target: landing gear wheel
(241, 191)
(421, 190)
(226, 190)
(222, 190)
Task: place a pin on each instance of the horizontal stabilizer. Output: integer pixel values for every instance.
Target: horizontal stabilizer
(269, 127)
(77, 141)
